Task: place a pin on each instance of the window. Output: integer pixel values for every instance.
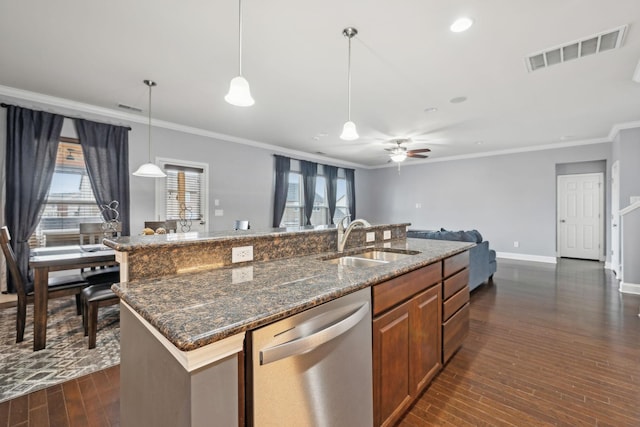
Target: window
(182, 194)
(70, 200)
(183, 190)
(293, 211)
(320, 213)
(342, 204)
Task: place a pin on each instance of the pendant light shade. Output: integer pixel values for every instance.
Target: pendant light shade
(349, 132)
(239, 92)
(150, 170)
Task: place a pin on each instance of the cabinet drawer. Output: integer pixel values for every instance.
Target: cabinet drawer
(454, 283)
(454, 303)
(394, 291)
(456, 263)
(454, 331)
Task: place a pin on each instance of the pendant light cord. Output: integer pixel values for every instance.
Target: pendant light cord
(239, 37)
(349, 81)
(150, 84)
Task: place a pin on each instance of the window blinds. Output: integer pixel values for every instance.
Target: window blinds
(183, 190)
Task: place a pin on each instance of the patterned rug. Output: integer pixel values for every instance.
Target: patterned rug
(66, 356)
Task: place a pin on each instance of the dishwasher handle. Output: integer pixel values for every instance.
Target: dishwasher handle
(305, 344)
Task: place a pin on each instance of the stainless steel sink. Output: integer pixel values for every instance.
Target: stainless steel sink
(370, 257)
(387, 256)
(353, 261)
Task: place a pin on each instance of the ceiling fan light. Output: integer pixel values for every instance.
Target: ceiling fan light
(349, 132)
(239, 93)
(150, 170)
(399, 156)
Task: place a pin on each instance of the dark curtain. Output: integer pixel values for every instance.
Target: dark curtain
(32, 145)
(283, 166)
(106, 154)
(331, 176)
(309, 171)
(351, 191)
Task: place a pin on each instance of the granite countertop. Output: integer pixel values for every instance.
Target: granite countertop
(196, 309)
(129, 243)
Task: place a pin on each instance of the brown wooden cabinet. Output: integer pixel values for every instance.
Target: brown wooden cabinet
(455, 304)
(406, 340)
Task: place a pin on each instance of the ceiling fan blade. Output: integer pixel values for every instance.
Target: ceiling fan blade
(417, 156)
(419, 150)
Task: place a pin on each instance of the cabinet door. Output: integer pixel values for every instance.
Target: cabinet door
(391, 382)
(424, 323)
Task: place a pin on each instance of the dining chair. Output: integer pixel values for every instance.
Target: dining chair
(241, 224)
(92, 233)
(59, 287)
(170, 225)
(93, 297)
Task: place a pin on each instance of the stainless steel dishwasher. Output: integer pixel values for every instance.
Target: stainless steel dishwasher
(313, 368)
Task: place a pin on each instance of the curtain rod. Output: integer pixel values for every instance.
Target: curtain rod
(300, 160)
(3, 105)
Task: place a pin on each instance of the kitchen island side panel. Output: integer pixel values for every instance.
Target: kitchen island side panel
(157, 391)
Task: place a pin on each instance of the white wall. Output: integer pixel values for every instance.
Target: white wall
(507, 197)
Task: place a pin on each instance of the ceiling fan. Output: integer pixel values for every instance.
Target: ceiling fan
(399, 153)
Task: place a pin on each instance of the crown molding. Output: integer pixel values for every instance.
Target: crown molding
(102, 112)
(502, 152)
(133, 118)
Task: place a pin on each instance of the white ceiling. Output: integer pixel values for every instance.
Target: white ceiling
(404, 60)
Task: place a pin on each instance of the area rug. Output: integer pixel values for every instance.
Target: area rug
(66, 356)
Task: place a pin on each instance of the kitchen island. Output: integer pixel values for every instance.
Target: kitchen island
(182, 335)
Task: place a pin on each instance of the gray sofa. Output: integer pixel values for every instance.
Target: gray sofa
(482, 260)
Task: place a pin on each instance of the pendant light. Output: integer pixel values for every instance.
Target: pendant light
(349, 132)
(239, 93)
(150, 170)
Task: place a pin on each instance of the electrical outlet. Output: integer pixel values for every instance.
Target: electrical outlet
(242, 274)
(418, 205)
(516, 244)
(218, 212)
(387, 245)
(386, 235)
(371, 236)
(242, 254)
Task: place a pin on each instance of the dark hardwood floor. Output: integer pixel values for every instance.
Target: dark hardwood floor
(549, 345)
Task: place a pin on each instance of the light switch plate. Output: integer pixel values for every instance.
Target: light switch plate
(386, 234)
(371, 236)
(218, 212)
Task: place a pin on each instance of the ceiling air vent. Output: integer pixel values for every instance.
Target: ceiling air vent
(597, 43)
(129, 107)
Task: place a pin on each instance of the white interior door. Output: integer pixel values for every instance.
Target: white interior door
(580, 216)
(615, 218)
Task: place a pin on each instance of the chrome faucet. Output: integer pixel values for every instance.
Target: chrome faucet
(343, 234)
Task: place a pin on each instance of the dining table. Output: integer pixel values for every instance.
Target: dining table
(57, 258)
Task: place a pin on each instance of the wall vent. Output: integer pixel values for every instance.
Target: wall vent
(597, 43)
(129, 107)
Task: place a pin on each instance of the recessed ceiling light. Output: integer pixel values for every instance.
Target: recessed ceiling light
(565, 137)
(430, 110)
(458, 99)
(461, 24)
(479, 142)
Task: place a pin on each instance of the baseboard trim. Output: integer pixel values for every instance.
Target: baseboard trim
(525, 257)
(629, 288)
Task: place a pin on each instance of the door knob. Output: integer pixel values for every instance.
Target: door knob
(562, 220)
